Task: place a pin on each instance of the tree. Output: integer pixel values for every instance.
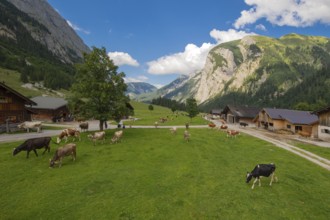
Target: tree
(191, 108)
(151, 107)
(99, 91)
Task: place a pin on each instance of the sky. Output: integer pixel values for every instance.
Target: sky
(156, 41)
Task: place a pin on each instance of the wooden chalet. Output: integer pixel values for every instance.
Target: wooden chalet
(235, 114)
(286, 119)
(13, 105)
(324, 123)
(50, 109)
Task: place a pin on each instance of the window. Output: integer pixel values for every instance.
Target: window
(327, 131)
(298, 128)
(271, 124)
(288, 126)
(3, 99)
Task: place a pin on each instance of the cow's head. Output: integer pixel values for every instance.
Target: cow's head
(16, 151)
(248, 177)
(51, 163)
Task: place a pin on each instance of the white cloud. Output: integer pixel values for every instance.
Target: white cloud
(230, 35)
(192, 59)
(261, 27)
(296, 13)
(121, 58)
(76, 28)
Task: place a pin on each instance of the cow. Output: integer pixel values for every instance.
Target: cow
(223, 127)
(29, 125)
(66, 150)
(117, 136)
(173, 130)
(97, 136)
(243, 124)
(83, 126)
(232, 133)
(261, 170)
(186, 136)
(68, 132)
(33, 144)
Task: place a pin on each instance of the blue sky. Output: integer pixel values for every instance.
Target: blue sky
(155, 41)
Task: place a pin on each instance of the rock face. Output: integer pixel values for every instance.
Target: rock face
(59, 38)
(257, 67)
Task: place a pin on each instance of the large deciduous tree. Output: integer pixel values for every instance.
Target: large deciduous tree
(99, 90)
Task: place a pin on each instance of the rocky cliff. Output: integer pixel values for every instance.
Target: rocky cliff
(59, 38)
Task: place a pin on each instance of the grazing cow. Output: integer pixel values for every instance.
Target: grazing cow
(243, 124)
(223, 127)
(261, 170)
(29, 125)
(117, 136)
(83, 126)
(212, 125)
(173, 130)
(97, 136)
(232, 133)
(66, 150)
(33, 144)
(186, 136)
(68, 132)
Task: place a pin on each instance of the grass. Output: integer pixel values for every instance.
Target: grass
(147, 117)
(152, 174)
(320, 151)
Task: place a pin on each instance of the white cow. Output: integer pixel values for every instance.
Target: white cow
(30, 124)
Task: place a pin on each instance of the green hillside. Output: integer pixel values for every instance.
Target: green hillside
(294, 69)
(19, 51)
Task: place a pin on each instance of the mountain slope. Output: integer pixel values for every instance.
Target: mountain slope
(258, 70)
(137, 88)
(59, 38)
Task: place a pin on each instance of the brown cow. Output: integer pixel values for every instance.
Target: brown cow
(84, 126)
(117, 136)
(232, 133)
(97, 136)
(68, 132)
(66, 150)
(186, 136)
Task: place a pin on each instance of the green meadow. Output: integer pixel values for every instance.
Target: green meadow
(146, 117)
(153, 174)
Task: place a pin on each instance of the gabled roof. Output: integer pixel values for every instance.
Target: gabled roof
(293, 116)
(27, 100)
(44, 102)
(242, 111)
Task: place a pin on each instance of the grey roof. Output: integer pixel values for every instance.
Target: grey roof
(293, 116)
(44, 102)
(243, 111)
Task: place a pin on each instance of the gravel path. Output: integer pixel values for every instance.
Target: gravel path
(325, 163)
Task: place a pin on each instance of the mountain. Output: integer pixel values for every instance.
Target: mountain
(57, 36)
(38, 43)
(165, 91)
(137, 88)
(262, 71)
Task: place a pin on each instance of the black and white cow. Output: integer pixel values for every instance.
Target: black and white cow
(262, 170)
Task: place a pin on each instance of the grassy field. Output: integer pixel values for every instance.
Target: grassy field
(146, 117)
(320, 151)
(152, 174)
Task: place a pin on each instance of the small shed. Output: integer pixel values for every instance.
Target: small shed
(50, 109)
(287, 119)
(235, 114)
(324, 123)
